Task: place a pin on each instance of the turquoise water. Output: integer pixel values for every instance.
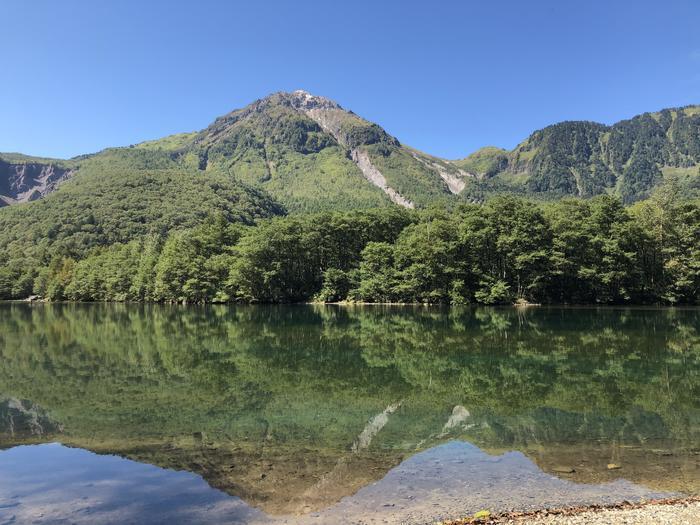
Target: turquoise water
(143, 414)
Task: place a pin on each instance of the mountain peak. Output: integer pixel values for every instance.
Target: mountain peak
(305, 101)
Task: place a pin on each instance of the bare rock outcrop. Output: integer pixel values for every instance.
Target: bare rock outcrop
(28, 181)
(373, 175)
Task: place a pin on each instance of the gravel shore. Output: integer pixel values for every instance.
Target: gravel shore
(675, 512)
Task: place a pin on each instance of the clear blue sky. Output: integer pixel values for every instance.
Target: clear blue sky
(446, 77)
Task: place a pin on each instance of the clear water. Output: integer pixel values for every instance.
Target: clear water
(326, 414)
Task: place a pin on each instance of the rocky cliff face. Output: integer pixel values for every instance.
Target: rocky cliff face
(28, 181)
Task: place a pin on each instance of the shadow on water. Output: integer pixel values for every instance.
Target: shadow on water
(303, 409)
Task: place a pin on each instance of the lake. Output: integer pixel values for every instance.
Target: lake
(340, 414)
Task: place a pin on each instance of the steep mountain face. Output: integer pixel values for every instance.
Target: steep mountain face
(25, 179)
(307, 153)
(311, 154)
(628, 158)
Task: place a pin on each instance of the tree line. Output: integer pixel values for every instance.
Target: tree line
(507, 250)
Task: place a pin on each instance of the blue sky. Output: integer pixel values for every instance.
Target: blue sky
(445, 77)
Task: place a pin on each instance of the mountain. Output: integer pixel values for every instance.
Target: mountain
(311, 154)
(627, 159)
(306, 153)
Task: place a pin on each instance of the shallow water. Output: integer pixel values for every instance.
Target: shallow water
(338, 414)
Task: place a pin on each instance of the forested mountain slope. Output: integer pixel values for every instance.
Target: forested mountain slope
(99, 224)
(117, 196)
(310, 154)
(307, 152)
(628, 159)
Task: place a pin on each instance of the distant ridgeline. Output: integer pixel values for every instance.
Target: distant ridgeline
(196, 217)
(628, 159)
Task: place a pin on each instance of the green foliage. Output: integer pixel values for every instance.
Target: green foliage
(506, 250)
(312, 182)
(170, 143)
(485, 162)
(277, 262)
(358, 132)
(627, 158)
(336, 286)
(152, 222)
(671, 253)
(107, 274)
(411, 178)
(194, 263)
(564, 159)
(493, 292)
(427, 261)
(285, 260)
(508, 240)
(116, 197)
(376, 273)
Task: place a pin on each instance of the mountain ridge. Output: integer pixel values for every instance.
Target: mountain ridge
(311, 154)
(627, 158)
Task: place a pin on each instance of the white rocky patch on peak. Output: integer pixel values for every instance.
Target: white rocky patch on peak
(325, 112)
(305, 101)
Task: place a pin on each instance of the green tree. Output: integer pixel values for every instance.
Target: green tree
(377, 278)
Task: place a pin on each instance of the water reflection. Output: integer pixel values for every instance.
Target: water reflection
(294, 408)
(46, 484)
(50, 484)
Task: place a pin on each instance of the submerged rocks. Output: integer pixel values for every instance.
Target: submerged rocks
(561, 469)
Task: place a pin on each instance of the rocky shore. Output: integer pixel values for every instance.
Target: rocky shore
(684, 511)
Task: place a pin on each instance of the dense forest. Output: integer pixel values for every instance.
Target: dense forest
(507, 250)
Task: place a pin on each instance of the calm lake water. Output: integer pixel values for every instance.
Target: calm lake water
(326, 414)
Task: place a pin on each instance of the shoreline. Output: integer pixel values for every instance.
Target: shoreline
(517, 306)
(670, 510)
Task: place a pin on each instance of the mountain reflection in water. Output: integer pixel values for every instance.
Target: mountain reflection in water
(51, 483)
(308, 409)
